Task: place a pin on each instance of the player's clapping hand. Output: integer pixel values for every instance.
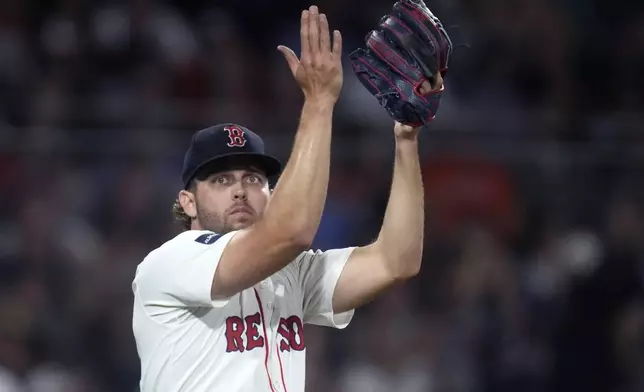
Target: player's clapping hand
(318, 71)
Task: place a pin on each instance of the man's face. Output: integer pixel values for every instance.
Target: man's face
(228, 200)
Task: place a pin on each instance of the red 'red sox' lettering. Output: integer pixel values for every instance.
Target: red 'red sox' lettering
(234, 330)
(292, 330)
(253, 338)
(245, 335)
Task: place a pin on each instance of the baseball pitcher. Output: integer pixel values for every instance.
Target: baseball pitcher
(222, 306)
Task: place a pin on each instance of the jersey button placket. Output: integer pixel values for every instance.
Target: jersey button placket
(268, 296)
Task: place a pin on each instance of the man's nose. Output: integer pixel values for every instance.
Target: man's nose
(239, 193)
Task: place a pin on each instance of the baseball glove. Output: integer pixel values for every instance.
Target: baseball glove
(409, 47)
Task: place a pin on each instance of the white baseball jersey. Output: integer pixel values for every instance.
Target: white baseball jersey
(251, 342)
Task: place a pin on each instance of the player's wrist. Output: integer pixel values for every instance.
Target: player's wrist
(406, 133)
(407, 141)
(319, 103)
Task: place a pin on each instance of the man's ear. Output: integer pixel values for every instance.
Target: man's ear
(188, 203)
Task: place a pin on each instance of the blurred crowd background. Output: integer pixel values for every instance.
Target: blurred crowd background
(533, 272)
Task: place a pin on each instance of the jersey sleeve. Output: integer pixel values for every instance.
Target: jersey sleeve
(319, 273)
(181, 273)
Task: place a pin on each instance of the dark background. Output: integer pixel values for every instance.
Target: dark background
(533, 271)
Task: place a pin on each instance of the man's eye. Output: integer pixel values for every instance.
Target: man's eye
(255, 179)
(220, 180)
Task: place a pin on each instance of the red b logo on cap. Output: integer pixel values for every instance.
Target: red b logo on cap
(236, 136)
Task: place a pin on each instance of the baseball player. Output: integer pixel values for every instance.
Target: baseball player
(222, 306)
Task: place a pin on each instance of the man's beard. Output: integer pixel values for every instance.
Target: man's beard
(215, 222)
(211, 221)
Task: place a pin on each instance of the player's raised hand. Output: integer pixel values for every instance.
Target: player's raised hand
(407, 131)
(318, 71)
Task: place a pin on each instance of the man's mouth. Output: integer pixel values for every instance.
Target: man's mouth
(241, 210)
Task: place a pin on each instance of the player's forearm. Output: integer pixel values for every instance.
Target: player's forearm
(293, 214)
(401, 237)
(298, 199)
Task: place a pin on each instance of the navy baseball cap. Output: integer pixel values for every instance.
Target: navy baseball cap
(225, 143)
